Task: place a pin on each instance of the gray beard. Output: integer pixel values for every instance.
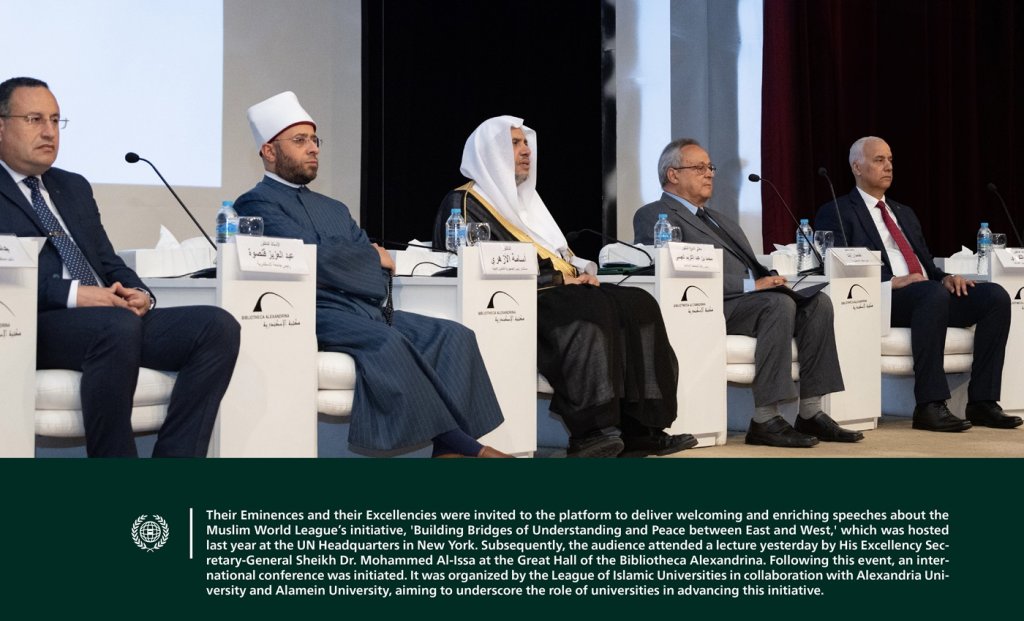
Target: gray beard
(521, 178)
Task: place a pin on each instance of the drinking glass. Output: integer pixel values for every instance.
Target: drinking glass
(477, 232)
(823, 241)
(999, 240)
(251, 226)
(675, 234)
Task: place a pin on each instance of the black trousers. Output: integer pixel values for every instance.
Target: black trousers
(927, 308)
(109, 345)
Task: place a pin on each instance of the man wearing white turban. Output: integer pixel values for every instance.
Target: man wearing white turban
(418, 378)
(603, 348)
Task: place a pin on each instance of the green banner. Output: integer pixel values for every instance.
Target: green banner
(504, 538)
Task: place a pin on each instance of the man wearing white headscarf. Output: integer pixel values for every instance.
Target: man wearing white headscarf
(603, 348)
(418, 378)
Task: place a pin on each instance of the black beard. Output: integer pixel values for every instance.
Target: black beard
(291, 170)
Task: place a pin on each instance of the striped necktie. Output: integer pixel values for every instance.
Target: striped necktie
(70, 253)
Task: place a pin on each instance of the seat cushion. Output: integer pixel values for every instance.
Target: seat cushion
(57, 389)
(59, 402)
(335, 371)
(744, 373)
(904, 365)
(335, 402)
(68, 423)
(740, 349)
(958, 341)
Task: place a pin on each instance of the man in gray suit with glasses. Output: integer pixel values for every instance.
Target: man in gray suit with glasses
(757, 303)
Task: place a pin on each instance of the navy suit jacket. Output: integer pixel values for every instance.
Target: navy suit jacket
(861, 231)
(72, 197)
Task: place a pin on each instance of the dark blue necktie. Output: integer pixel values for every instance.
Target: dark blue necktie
(74, 260)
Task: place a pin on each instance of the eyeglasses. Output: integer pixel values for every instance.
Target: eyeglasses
(301, 140)
(35, 120)
(700, 168)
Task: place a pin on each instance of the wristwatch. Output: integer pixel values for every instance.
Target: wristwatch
(152, 298)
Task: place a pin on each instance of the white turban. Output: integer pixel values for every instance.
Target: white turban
(488, 159)
(272, 116)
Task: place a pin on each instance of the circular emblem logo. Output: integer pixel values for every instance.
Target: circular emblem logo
(150, 534)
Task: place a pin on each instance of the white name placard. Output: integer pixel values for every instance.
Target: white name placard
(271, 254)
(692, 257)
(507, 259)
(855, 256)
(1011, 257)
(12, 253)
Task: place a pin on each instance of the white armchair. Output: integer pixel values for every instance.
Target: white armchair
(898, 370)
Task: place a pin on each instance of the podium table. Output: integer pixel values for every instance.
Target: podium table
(19, 290)
(1007, 270)
(269, 409)
(855, 290)
(502, 312)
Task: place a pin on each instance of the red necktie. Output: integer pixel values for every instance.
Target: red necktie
(901, 241)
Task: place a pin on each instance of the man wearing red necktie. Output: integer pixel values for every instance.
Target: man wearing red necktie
(924, 298)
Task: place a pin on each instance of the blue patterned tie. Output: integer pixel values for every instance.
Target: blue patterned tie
(74, 260)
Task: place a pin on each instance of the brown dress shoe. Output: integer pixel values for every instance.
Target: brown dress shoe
(493, 453)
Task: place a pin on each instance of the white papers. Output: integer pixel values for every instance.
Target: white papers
(13, 252)
(271, 254)
(1010, 257)
(855, 256)
(686, 257)
(498, 259)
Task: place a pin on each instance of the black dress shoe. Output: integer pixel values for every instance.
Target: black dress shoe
(656, 443)
(935, 416)
(777, 432)
(594, 446)
(989, 414)
(822, 427)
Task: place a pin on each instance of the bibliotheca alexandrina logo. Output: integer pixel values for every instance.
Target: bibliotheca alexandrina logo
(150, 534)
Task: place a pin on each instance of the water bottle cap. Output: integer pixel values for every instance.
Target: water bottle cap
(227, 203)
(663, 216)
(803, 221)
(456, 210)
(984, 225)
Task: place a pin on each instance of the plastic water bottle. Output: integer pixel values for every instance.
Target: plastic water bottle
(662, 231)
(455, 231)
(804, 254)
(984, 247)
(227, 223)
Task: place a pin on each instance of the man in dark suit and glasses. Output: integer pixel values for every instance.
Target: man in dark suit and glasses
(95, 314)
(924, 298)
(687, 177)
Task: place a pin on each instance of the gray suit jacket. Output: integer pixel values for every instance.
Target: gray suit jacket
(734, 268)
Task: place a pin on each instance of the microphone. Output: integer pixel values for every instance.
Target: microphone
(992, 188)
(574, 235)
(381, 240)
(822, 172)
(821, 263)
(132, 158)
(444, 272)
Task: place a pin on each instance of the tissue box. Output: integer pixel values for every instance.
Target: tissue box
(152, 263)
(958, 265)
(783, 263)
(618, 253)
